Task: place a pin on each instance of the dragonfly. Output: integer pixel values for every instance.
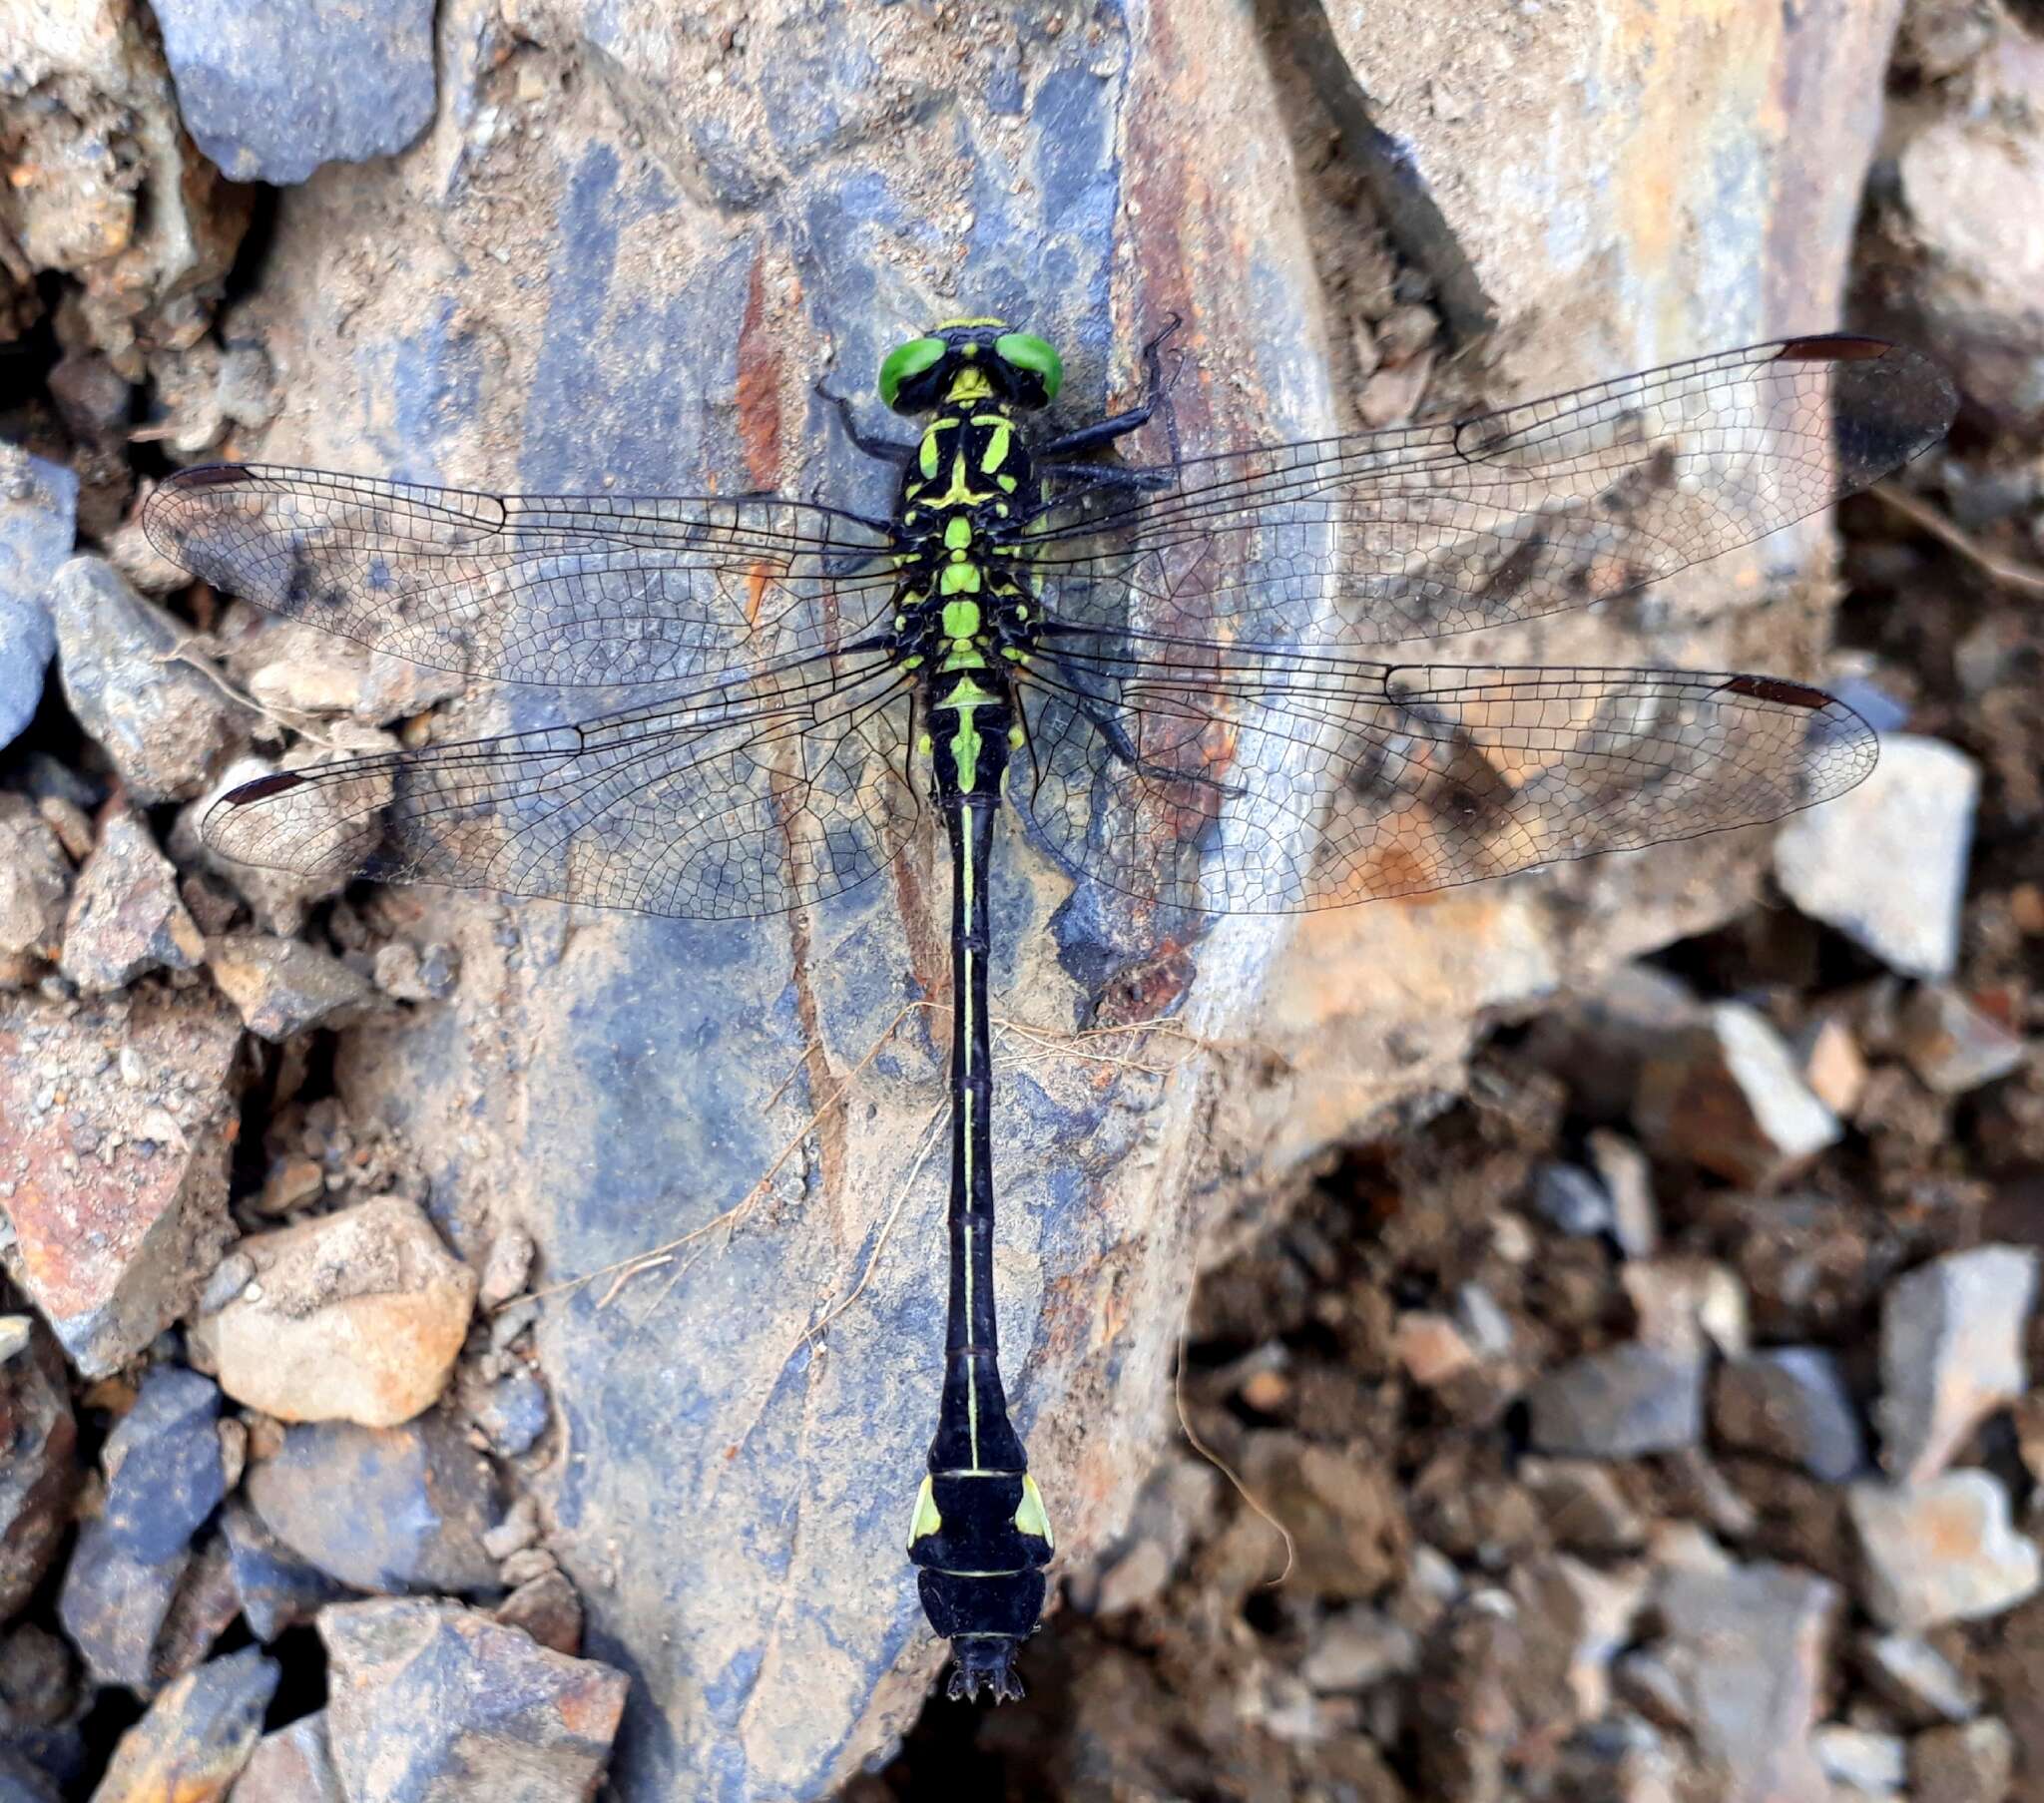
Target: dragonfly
(1156, 666)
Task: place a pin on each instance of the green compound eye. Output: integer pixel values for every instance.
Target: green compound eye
(1035, 354)
(906, 361)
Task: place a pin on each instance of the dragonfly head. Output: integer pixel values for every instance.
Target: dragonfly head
(966, 359)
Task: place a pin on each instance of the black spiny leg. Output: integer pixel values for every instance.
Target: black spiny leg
(1102, 432)
(885, 450)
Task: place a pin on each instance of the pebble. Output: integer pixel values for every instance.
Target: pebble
(1689, 1304)
(200, 1614)
(353, 1316)
(1626, 1400)
(294, 1765)
(383, 1509)
(1341, 1507)
(1951, 1353)
(460, 1705)
(1793, 1404)
(406, 974)
(292, 1183)
(547, 1608)
(1940, 1550)
(277, 1590)
(1627, 1174)
(1727, 1096)
(1970, 1763)
(229, 1278)
(39, 1474)
(1917, 1680)
(1571, 1199)
(35, 879)
(1832, 1065)
(284, 986)
(264, 110)
(119, 1193)
(506, 1266)
(38, 520)
(1886, 864)
(196, 1737)
(1431, 1348)
(166, 728)
(1356, 1647)
(512, 1412)
(126, 916)
(163, 1462)
(1863, 1757)
(114, 1606)
(1952, 1045)
(1586, 1510)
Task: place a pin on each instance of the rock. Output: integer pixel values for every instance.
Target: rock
(38, 1684)
(547, 1608)
(1727, 1096)
(1627, 1174)
(511, 1412)
(22, 1783)
(35, 876)
(383, 1509)
(1867, 1761)
(1886, 864)
(294, 1765)
(1952, 1045)
(197, 1736)
(1572, 1618)
(39, 1474)
(1358, 1647)
(1628, 1399)
(506, 1266)
(167, 728)
(425, 1696)
(1832, 1065)
(113, 1605)
(406, 974)
(355, 1316)
(277, 1590)
(1951, 1353)
(1343, 1512)
(284, 986)
(206, 1603)
(1917, 1680)
(125, 915)
(1743, 1665)
(1585, 1508)
(117, 1190)
(265, 112)
(1571, 1199)
(229, 1278)
(1940, 1550)
(163, 1462)
(1974, 1762)
(1600, 1040)
(1792, 1404)
(1431, 1348)
(290, 1183)
(38, 514)
(1688, 1305)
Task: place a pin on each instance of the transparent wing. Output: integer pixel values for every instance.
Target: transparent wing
(758, 793)
(1556, 504)
(1194, 776)
(567, 589)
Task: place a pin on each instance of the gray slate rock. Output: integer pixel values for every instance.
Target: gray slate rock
(294, 1765)
(1621, 1402)
(126, 917)
(276, 1587)
(284, 986)
(1951, 1353)
(384, 1508)
(1886, 863)
(39, 1474)
(1952, 1045)
(1941, 1550)
(113, 1605)
(197, 1734)
(1571, 1199)
(1917, 1682)
(430, 1699)
(165, 1474)
(271, 91)
(35, 876)
(1791, 1404)
(38, 520)
(165, 726)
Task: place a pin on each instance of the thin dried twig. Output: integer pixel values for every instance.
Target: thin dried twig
(2022, 578)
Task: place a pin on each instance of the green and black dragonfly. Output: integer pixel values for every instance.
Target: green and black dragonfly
(1155, 664)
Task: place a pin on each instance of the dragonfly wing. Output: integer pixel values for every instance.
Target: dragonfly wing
(1268, 782)
(569, 591)
(1387, 536)
(751, 795)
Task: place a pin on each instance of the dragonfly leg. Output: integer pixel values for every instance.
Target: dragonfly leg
(885, 450)
(1156, 399)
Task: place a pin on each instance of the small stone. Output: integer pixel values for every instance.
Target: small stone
(1394, 393)
(1586, 1510)
(518, 1530)
(1570, 1199)
(1832, 1065)
(1917, 1680)
(1358, 1647)
(197, 1736)
(119, 1205)
(1872, 1762)
(1940, 1550)
(1972, 1763)
(1431, 1348)
(1616, 1404)
(38, 520)
(1886, 863)
(294, 1765)
(1952, 1046)
(458, 1703)
(35, 878)
(353, 1316)
(1689, 1304)
(383, 1509)
(229, 1278)
(1627, 1174)
(1486, 1327)
(40, 1473)
(547, 1608)
(506, 1265)
(1598, 1040)
(200, 1613)
(113, 1605)
(292, 1183)
(1346, 1519)
(1791, 1404)
(162, 1464)
(1727, 1097)
(125, 915)
(277, 1590)
(1951, 1353)
(165, 726)
(284, 986)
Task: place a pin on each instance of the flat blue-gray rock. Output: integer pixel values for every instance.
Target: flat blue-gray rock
(38, 509)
